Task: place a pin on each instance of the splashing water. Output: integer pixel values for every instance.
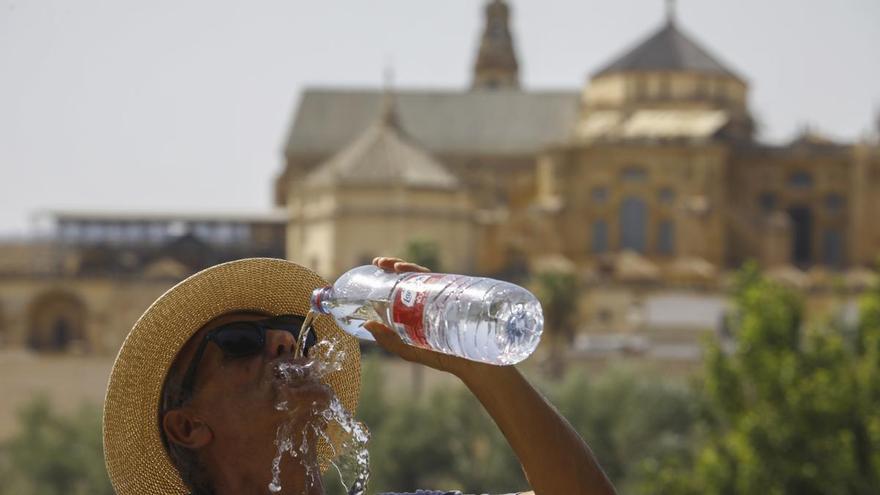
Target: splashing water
(348, 441)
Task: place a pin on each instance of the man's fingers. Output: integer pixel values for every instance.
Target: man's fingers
(376, 328)
(398, 265)
(383, 335)
(386, 263)
(405, 266)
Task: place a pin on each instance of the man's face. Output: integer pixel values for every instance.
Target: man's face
(234, 400)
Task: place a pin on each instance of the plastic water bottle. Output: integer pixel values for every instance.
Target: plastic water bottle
(480, 319)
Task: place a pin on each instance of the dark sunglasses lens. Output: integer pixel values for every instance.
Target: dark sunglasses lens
(239, 340)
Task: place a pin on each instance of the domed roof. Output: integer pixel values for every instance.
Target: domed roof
(668, 50)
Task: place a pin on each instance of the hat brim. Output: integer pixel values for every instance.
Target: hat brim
(136, 459)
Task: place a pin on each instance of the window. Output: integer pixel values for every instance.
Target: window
(666, 196)
(599, 237)
(767, 201)
(68, 231)
(633, 224)
(666, 237)
(56, 323)
(599, 194)
(832, 248)
(94, 231)
(800, 180)
(634, 174)
(834, 203)
(158, 232)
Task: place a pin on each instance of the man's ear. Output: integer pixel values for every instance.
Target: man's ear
(186, 429)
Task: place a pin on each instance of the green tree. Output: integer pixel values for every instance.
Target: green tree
(792, 410)
(447, 441)
(558, 291)
(54, 454)
(632, 419)
(423, 252)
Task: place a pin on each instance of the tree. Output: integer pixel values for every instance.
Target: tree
(423, 253)
(631, 419)
(447, 441)
(558, 290)
(55, 455)
(793, 409)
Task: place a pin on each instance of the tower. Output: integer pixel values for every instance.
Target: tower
(496, 65)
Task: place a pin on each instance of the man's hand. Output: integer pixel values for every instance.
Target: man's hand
(555, 458)
(391, 342)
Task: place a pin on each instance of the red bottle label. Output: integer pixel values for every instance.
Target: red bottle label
(408, 306)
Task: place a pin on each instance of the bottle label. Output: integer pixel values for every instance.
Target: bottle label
(410, 298)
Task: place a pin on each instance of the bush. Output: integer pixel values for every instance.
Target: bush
(55, 455)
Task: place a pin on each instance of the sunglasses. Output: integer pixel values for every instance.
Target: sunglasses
(243, 339)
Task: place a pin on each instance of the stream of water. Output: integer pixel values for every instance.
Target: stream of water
(346, 437)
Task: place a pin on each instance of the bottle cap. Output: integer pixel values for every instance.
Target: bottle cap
(319, 296)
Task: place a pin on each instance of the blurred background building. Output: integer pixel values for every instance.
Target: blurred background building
(646, 183)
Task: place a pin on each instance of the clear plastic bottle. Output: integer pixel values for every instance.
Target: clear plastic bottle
(475, 318)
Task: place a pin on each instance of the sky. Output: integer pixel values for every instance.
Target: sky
(184, 105)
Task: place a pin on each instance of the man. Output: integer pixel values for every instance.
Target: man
(190, 402)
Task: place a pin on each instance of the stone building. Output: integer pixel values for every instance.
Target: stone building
(655, 155)
(648, 182)
(80, 287)
(374, 196)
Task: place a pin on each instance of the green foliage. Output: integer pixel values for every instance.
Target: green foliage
(792, 410)
(443, 441)
(423, 253)
(630, 420)
(448, 441)
(558, 292)
(53, 454)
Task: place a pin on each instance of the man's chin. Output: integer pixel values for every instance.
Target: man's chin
(304, 397)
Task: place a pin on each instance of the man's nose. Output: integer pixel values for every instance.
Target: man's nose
(279, 343)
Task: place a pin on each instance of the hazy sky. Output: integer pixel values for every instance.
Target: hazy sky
(185, 104)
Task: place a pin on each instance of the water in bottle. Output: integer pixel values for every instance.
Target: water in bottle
(480, 319)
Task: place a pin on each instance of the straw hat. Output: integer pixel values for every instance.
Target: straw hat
(133, 451)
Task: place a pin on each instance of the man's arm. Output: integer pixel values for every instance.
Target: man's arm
(554, 457)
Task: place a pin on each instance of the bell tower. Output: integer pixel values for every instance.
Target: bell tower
(496, 66)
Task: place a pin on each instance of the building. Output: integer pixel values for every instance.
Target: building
(648, 181)
(656, 154)
(81, 286)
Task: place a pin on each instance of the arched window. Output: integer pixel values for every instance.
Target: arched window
(800, 180)
(56, 323)
(634, 173)
(835, 203)
(633, 224)
(599, 237)
(832, 247)
(599, 194)
(666, 196)
(666, 237)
